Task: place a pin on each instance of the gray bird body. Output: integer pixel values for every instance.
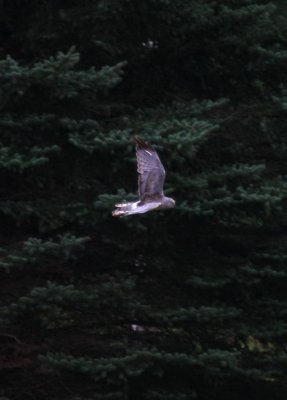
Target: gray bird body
(151, 176)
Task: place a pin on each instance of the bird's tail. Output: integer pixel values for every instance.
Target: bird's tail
(119, 213)
(123, 205)
(121, 209)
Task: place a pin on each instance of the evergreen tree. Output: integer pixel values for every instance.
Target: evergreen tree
(185, 304)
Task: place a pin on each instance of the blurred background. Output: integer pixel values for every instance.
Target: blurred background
(185, 304)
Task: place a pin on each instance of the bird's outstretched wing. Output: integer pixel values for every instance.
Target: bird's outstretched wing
(151, 173)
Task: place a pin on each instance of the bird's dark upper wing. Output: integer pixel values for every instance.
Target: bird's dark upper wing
(151, 173)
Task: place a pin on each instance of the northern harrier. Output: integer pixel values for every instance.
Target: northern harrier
(151, 175)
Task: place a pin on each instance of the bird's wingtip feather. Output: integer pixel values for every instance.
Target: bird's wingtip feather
(141, 144)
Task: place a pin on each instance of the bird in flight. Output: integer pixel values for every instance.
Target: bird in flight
(151, 176)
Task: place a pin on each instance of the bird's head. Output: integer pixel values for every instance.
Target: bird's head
(168, 202)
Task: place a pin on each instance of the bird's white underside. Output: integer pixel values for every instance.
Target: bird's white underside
(124, 209)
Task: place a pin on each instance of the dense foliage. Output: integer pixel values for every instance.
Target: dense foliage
(188, 303)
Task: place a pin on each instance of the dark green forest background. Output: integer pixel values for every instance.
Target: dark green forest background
(185, 304)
